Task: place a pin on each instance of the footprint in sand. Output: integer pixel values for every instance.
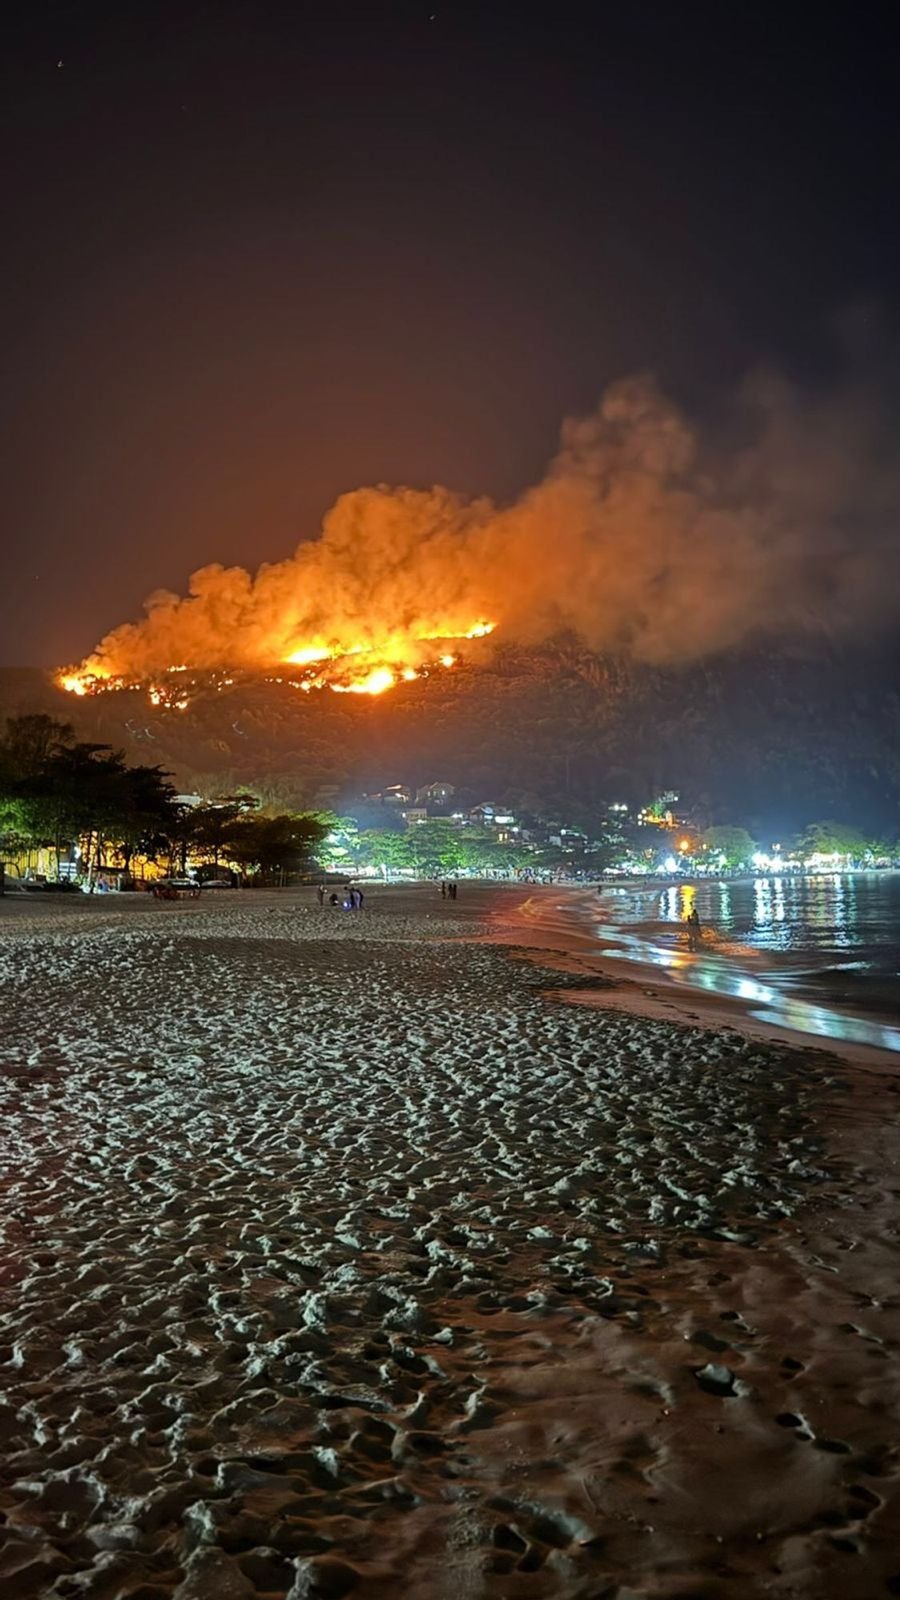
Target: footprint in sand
(717, 1380)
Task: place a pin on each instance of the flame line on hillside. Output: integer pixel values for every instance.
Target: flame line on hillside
(327, 670)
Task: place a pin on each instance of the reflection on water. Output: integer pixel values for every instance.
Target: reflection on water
(833, 912)
(796, 929)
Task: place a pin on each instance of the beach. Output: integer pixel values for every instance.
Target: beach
(783, 979)
(357, 1254)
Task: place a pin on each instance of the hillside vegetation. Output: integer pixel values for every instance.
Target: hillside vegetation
(756, 739)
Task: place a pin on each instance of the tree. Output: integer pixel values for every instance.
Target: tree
(274, 845)
(482, 851)
(211, 828)
(733, 845)
(73, 793)
(28, 744)
(340, 845)
(435, 846)
(832, 838)
(145, 802)
(179, 836)
(54, 792)
(27, 748)
(90, 792)
(384, 848)
(883, 848)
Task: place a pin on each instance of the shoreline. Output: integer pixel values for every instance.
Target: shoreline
(540, 923)
(566, 922)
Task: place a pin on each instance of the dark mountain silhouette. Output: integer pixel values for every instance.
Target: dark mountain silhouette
(766, 740)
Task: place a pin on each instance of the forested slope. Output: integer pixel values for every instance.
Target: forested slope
(755, 739)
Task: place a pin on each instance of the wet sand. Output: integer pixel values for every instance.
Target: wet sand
(718, 984)
(338, 1258)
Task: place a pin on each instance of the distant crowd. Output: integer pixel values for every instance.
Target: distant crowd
(351, 898)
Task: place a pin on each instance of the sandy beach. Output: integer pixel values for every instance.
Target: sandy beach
(345, 1254)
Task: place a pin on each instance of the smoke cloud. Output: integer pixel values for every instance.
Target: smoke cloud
(644, 537)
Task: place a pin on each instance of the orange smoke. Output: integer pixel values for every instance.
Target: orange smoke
(639, 539)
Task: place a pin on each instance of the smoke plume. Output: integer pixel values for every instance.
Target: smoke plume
(644, 537)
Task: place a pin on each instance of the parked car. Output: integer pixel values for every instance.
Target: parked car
(216, 883)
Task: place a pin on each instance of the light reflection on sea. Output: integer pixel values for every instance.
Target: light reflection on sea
(778, 945)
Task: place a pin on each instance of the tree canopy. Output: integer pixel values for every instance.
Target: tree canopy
(734, 845)
(55, 791)
(833, 838)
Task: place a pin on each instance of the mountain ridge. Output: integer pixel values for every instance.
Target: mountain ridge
(774, 737)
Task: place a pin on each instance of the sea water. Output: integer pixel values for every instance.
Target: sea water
(817, 953)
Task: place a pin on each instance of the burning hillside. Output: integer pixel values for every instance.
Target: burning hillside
(640, 539)
(779, 734)
(365, 669)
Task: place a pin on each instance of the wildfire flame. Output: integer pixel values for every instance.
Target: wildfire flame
(375, 682)
(309, 653)
(343, 668)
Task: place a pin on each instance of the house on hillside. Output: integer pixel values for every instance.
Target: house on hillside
(490, 815)
(396, 794)
(484, 813)
(436, 794)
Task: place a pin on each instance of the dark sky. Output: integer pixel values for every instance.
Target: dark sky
(257, 254)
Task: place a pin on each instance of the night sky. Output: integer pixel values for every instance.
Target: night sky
(256, 255)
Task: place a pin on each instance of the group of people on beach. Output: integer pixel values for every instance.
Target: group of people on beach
(351, 898)
(448, 890)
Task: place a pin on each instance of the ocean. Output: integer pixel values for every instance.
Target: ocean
(819, 954)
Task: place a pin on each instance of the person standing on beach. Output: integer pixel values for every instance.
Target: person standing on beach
(694, 929)
(359, 899)
(443, 891)
(320, 895)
